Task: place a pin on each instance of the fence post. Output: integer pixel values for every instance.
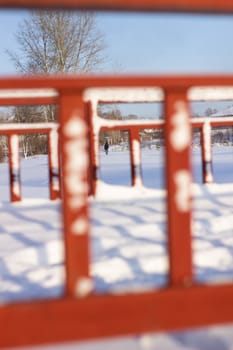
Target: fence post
(135, 158)
(178, 181)
(207, 165)
(75, 162)
(14, 168)
(93, 140)
(53, 155)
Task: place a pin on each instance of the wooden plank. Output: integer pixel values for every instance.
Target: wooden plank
(178, 184)
(198, 6)
(26, 101)
(74, 170)
(108, 81)
(68, 319)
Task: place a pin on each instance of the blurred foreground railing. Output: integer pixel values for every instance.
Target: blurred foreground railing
(80, 313)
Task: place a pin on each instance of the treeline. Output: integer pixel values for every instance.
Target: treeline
(118, 136)
(30, 144)
(33, 144)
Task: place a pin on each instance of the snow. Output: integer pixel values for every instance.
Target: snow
(210, 93)
(29, 93)
(180, 136)
(124, 94)
(128, 241)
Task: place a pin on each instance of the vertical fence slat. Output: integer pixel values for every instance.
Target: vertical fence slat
(14, 168)
(206, 152)
(178, 178)
(93, 149)
(53, 156)
(75, 161)
(135, 158)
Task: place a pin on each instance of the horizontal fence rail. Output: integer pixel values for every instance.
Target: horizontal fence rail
(81, 314)
(205, 6)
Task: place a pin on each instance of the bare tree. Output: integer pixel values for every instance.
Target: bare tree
(53, 42)
(209, 111)
(58, 42)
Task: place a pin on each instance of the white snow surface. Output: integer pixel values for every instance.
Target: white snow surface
(128, 240)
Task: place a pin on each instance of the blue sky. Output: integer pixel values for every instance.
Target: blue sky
(145, 43)
(149, 43)
(164, 43)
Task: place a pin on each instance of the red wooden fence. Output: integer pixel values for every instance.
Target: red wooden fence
(80, 313)
(95, 126)
(12, 131)
(155, 95)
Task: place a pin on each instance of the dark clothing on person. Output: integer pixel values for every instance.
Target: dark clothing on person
(106, 147)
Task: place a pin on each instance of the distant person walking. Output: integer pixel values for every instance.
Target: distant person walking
(106, 147)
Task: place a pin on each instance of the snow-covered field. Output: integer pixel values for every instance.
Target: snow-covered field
(128, 240)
